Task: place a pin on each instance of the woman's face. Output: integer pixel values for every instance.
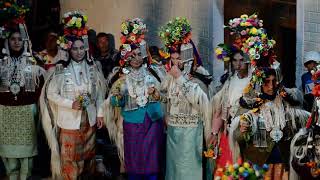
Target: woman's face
(137, 59)
(176, 60)
(77, 51)
(15, 42)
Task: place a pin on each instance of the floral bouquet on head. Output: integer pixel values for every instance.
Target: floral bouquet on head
(11, 14)
(258, 46)
(74, 27)
(175, 32)
(244, 24)
(13, 11)
(132, 31)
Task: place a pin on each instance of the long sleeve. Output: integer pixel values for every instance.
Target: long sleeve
(54, 93)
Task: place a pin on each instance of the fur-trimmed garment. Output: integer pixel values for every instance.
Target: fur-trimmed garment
(58, 94)
(286, 117)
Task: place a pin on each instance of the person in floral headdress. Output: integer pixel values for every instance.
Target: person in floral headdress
(70, 104)
(21, 81)
(263, 134)
(133, 109)
(225, 104)
(187, 104)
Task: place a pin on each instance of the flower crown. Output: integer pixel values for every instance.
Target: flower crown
(243, 25)
(132, 31)
(175, 33)
(74, 28)
(11, 14)
(126, 53)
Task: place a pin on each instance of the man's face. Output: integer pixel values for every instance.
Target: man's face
(176, 60)
(15, 42)
(270, 85)
(103, 44)
(311, 65)
(238, 63)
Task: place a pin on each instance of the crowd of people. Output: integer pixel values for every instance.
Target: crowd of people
(158, 106)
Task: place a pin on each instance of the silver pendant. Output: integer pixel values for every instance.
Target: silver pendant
(142, 101)
(276, 134)
(15, 89)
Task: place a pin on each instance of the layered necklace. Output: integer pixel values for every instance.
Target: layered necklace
(274, 115)
(15, 75)
(137, 85)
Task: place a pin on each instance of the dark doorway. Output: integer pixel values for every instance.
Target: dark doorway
(279, 18)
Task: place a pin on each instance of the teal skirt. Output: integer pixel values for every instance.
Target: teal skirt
(184, 153)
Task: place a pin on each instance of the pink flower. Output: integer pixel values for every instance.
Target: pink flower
(243, 32)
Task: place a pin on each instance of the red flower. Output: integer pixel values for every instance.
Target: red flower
(316, 91)
(84, 32)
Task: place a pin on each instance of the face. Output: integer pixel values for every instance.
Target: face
(176, 60)
(77, 51)
(137, 59)
(270, 85)
(103, 44)
(238, 63)
(15, 42)
(311, 65)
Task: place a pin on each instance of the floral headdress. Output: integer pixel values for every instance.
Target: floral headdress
(253, 40)
(175, 33)
(132, 31)
(244, 25)
(11, 15)
(74, 28)
(176, 36)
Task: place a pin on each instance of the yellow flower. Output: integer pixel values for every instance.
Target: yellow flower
(85, 18)
(225, 59)
(242, 24)
(254, 31)
(247, 89)
(244, 16)
(263, 36)
(218, 51)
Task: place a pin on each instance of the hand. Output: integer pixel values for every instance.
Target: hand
(175, 72)
(116, 92)
(213, 139)
(244, 127)
(151, 90)
(76, 105)
(100, 122)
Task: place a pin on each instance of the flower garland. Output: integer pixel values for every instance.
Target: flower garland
(175, 32)
(132, 31)
(241, 170)
(74, 26)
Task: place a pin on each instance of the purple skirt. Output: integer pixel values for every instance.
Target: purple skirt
(143, 146)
